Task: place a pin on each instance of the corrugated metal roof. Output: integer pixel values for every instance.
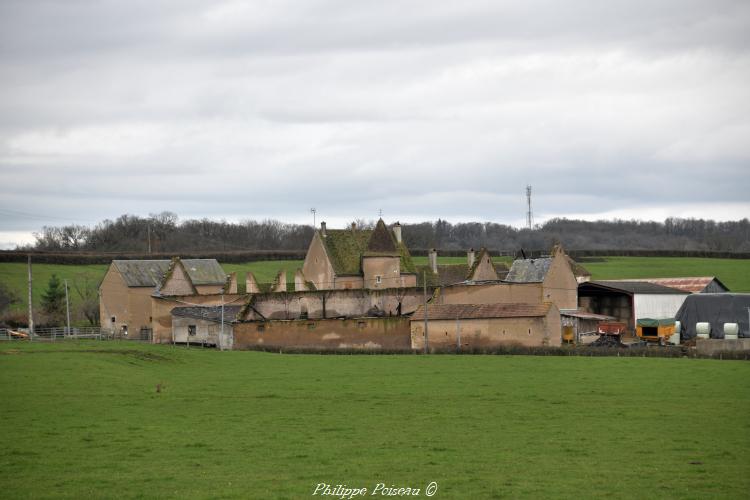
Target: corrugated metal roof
(631, 287)
(586, 315)
(480, 311)
(208, 313)
(148, 273)
(529, 270)
(692, 285)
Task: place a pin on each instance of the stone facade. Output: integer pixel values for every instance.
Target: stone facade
(354, 333)
(540, 327)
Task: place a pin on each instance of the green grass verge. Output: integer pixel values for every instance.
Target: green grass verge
(84, 420)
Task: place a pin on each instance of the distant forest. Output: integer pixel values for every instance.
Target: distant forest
(167, 234)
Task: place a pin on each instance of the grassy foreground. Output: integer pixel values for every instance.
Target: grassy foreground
(84, 420)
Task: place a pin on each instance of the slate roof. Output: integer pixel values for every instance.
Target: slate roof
(205, 271)
(480, 311)
(148, 273)
(631, 287)
(529, 270)
(208, 313)
(138, 273)
(345, 248)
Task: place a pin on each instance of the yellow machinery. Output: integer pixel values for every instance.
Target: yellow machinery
(568, 334)
(655, 330)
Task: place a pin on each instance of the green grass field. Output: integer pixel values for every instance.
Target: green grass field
(735, 273)
(84, 420)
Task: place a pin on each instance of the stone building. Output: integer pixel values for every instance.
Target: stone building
(358, 258)
(125, 291)
(471, 326)
(529, 281)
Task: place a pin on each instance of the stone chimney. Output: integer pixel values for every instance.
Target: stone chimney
(470, 257)
(432, 257)
(354, 226)
(397, 231)
(323, 229)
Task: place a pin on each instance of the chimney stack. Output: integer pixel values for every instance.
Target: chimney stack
(354, 226)
(323, 229)
(432, 257)
(470, 257)
(397, 231)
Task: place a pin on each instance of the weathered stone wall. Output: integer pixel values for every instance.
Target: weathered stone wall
(349, 303)
(317, 267)
(357, 333)
(490, 332)
(178, 282)
(492, 293)
(388, 269)
(205, 331)
(560, 285)
(485, 270)
(131, 307)
(709, 347)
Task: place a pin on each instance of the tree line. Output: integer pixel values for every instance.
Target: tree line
(165, 233)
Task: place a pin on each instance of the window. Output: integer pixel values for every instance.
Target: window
(191, 330)
(113, 319)
(261, 328)
(378, 279)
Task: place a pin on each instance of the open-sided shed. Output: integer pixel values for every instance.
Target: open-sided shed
(716, 309)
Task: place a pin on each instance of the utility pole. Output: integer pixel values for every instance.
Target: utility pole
(529, 213)
(148, 229)
(221, 334)
(458, 334)
(426, 346)
(67, 306)
(31, 310)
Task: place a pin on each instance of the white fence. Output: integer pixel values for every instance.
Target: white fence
(62, 333)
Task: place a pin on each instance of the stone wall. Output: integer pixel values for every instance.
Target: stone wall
(489, 332)
(356, 333)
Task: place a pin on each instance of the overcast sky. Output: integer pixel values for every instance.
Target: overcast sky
(424, 109)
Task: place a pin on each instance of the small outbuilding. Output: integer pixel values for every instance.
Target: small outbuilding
(204, 325)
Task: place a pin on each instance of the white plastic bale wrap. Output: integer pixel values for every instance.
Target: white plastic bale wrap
(731, 331)
(703, 330)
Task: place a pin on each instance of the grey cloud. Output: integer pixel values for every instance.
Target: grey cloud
(424, 109)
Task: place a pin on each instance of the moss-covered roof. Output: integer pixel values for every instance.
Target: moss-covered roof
(346, 247)
(448, 274)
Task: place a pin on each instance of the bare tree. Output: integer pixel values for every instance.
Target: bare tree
(88, 293)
